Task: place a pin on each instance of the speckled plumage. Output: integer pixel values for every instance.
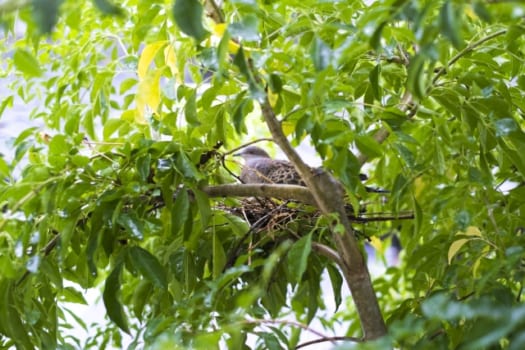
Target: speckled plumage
(260, 168)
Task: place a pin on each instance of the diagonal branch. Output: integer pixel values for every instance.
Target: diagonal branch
(328, 196)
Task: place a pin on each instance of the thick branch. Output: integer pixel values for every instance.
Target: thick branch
(294, 192)
(328, 195)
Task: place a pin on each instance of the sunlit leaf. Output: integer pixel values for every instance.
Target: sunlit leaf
(147, 55)
(26, 63)
(132, 224)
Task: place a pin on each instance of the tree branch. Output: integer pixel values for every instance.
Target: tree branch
(327, 252)
(328, 196)
(285, 192)
(330, 339)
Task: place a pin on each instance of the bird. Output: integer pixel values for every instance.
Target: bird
(259, 167)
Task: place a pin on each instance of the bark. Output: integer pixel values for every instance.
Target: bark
(328, 196)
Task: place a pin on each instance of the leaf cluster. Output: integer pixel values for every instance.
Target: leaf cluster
(429, 94)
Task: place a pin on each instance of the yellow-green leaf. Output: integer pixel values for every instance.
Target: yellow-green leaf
(146, 57)
(26, 63)
(455, 247)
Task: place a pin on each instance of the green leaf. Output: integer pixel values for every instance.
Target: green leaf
(321, 54)
(188, 16)
(132, 224)
(375, 39)
(298, 256)
(450, 24)
(71, 295)
(107, 7)
(255, 89)
(416, 76)
(144, 167)
(247, 29)
(203, 202)
(111, 300)
(180, 211)
(374, 82)
(149, 266)
(369, 146)
(45, 13)
(26, 63)
(7, 102)
(190, 110)
(219, 256)
(337, 283)
(481, 10)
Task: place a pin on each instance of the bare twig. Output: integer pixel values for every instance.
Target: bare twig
(247, 144)
(471, 47)
(288, 323)
(214, 11)
(48, 248)
(326, 251)
(330, 339)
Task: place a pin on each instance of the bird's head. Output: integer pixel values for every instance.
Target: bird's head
(252, 152)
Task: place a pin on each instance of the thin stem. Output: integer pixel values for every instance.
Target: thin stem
(330, 339)
(466, 51)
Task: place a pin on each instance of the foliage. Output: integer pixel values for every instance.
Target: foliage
(110, 193)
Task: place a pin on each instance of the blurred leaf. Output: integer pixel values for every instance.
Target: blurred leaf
(455, 247)
(147, 55)
(71, 295)
(26, 63)
(416, 82)
(321, 54)
(481, 10)
(203, 202)
(505, 127)
(374, 77)
(108, 7)
(450, 24)
(337, 282)
(149, 266)
(180, 211)
(298, 256)
(188, 16)
(45, 13)
(219, 256)
(240, 61)
(144, 167)
(369, 146)
(190, 110)
(111, 300)
(375, 39)
(247, 29)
